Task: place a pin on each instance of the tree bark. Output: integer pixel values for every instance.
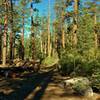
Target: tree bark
(63, 38)
(62, 28)
(32, 33)
(45, 48)
(4, 53)
(11, 33)
(0, 42)
(41, 44)
(22, 37)
(49, 44)
(75, 26)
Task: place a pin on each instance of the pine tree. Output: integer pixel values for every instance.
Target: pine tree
(23, 22)
(4, 55)
(92, 7)
(60, 10)
(11, 33)
(0, 42)
(49, 44)
(32, 27)
(75, 23)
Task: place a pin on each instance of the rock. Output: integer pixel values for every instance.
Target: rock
(89, 92)
(77, 79)
(79, 85)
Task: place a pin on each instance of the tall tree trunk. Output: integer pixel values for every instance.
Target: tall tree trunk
(22, 37)
(0, 42)
(41, 44)
(45, 48)
(63, 38)
(75, 26)
(33, 46)
(5, 35)
(11, 33)
(49, 49)
(62, 27)
(55, 40)
(32, 33)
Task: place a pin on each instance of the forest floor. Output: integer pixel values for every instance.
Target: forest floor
(44, 85)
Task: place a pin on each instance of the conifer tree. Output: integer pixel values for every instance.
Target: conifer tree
(4, 55)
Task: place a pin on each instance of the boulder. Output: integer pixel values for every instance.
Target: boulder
(79, 85)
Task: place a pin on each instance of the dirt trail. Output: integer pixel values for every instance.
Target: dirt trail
(36, 86)
(53, 92)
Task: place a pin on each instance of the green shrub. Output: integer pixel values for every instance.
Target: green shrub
(75, 63)
(68, 61)
(95, 80)
(87, 65)
(50, 61)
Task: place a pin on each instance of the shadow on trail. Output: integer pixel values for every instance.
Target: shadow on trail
(29, 87)
(41, 91)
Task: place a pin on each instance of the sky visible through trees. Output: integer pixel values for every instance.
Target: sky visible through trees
(43, 10)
